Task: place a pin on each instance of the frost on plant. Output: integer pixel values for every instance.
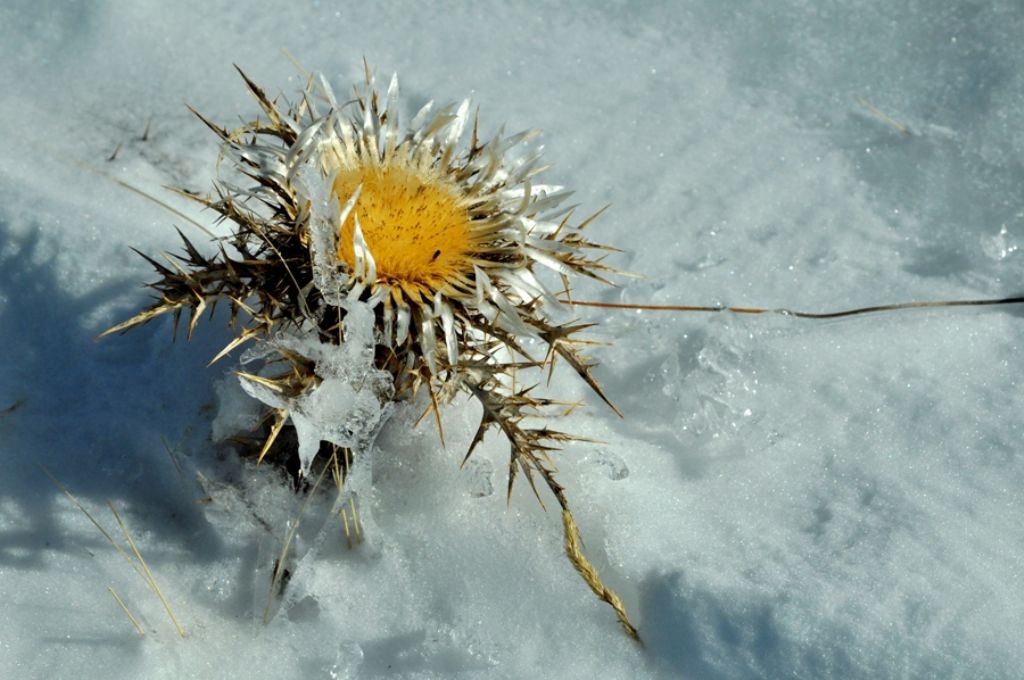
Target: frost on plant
(351, 399)
(368, 260)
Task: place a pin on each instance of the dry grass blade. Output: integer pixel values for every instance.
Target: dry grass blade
(278, 576)
(124, 608)
(344, 523)
(150, 579)
(840, 314)
(165, 206)
(355, 529)
(106, 535)
(174, 458)
(356, 524)
(138, 563)
(885, 118)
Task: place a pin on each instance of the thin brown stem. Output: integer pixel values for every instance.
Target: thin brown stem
(802, 315)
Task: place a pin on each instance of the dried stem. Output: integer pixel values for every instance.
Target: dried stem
(898, 306)
(124, 608)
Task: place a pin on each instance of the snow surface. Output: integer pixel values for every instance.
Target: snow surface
(784, 498)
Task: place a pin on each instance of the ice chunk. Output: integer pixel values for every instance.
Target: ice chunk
(325, 217)
(352, 401)
(235, 411)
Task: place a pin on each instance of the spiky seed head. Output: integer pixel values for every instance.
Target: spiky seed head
(444, 240)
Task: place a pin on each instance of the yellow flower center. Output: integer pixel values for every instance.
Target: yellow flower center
(417, 229)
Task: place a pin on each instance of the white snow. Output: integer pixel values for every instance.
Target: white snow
(784, 497)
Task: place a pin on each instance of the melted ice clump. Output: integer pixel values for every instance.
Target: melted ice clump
(352, 401)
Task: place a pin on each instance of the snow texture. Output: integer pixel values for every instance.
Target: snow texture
(783, 498)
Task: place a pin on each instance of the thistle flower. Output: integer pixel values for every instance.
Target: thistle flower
(334, 204)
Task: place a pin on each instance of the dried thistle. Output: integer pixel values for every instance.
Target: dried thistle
(332, 205)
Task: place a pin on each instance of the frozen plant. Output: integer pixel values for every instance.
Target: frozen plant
(341, 221)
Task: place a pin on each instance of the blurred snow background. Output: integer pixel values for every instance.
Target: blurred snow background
(783, 498)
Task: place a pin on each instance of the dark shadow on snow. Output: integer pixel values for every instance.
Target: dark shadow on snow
(93, 412)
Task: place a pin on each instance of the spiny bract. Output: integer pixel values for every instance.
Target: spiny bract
(333, 203)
